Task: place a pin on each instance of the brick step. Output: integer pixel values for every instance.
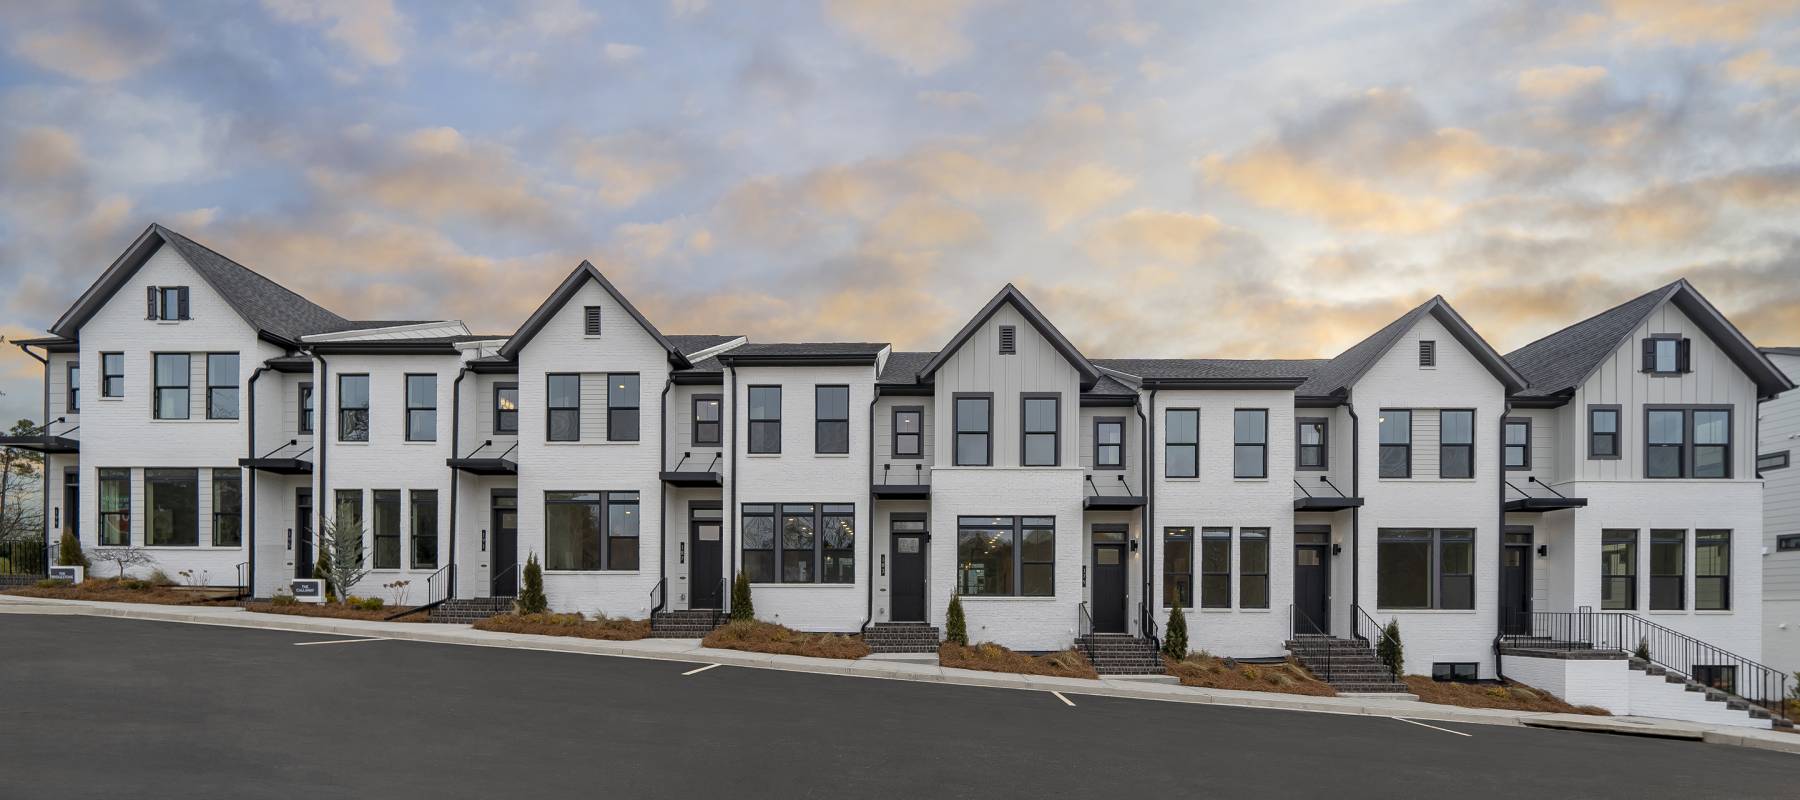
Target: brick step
(902, 637)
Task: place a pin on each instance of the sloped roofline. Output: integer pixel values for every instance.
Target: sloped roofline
(565, 293)
(1011, 294)
(1769, 379)
(1459, 328)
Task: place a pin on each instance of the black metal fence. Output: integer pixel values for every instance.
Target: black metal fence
(24, 558)
(1665, 647)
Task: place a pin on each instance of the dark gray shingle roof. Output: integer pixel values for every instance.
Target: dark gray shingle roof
(691, 343)
(1109, 385)
(902, 368)
(264, 303)
(1557, 362)
(1212, 368)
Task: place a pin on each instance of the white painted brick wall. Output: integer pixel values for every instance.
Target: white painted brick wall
(1028, 623)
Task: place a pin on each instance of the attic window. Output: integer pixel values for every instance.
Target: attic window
(167, 302)
(1427, 353)
(1666, 355)
(1009, 340)
(591, 320)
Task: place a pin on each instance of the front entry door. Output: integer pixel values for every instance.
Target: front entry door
(1312, 588)
(1108, 587)
(907, 577)
(503, 575)
(706, 567)
(303, 538)
(1515, 583)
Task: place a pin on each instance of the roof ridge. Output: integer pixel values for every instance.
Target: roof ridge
(1596, 315)
(184, 238)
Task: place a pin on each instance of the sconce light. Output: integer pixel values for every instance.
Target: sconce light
(1134, 545)
(484, 540)
(1337, 549)
(1543, 549)
(290, 538)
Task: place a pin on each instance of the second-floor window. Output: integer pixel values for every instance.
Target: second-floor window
(506, 409)
(1109, 443)
(1250, 443)
(1518, 444)
(909, 432)
(353, 408)
(974, 425)
(1310, 443)
(1665, 355)
(706, 420)
(1181, 443)
(1687, 443)
(1040, 441)
(74, 377)
(421, 408)
(1603, 432)
(831, 419)
(765, 419)
(168, 302)
(222, 386)
(1396, 443)
(622, 407)
(1456, 443)
(563, 408)
(306, 409)
(112, 374)
(172, 376)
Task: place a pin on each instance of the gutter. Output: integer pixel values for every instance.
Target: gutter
(1355, 511)
(869, 606)
(1147, 426)
(249, 587)
(662, 494)
(322, 401)
(731, 508)
(455, 474)
(1500, 534)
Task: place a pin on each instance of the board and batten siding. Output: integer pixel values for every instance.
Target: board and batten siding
(1036, 366)
(903, 471)
(1780, 432)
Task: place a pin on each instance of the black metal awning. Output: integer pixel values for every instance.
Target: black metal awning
(1112, 502)
(693, 478)
(1541, 504)
(278, 466)
(484, 466)
(901, 491)
(42, 444)
(1326, 503)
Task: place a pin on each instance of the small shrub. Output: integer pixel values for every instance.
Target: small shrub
(1391, 651)
(283, 600)
(68, 553)
(1499, 693)
(743, 608)
(531, 598)
(956, 628)
(1642, 653)
(52, 583)
(1250, 672)
(365, 603)
(1175, 642)
(136, 585)
(160, 578)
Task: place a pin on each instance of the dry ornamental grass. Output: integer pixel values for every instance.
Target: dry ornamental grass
(113, 590)
(1512, 696)
(990, 657)
(577, 625)
(1200, 669)
(767, 637)
(333, 611)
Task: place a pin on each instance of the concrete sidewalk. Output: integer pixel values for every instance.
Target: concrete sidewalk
(690, 651)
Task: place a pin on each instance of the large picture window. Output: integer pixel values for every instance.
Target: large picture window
(172, 503)
(1109, 443)
(1006, 556)
(800, 542)
(1425, 568)
(172, 373)
(424, 529)
(765, 419)
(1215, 568)
(222, 386)
(115, 507)
(353, 408)
(706, 426)
(1181, 443)
(227, 508)
(1395, 455)
(1668, 570)
(562, 408)
(1618, 569)
(1712, 570)
(1040, 440)
(1517, 454)
(421, 408)
(831, 419)
(1311, 443)
(506, 409)
(1250, 443)
(387, 528)
(622, 407)
(974, 425)
(1253, 568)
(909, 432)
(1178, 568)
(589, 531)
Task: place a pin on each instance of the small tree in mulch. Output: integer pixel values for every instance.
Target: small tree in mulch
(69, 554)
(742, 607)
(1175, 644)
(343, 542)
(123, 559)
(531, 598)
(1392, 653)
(956, 629)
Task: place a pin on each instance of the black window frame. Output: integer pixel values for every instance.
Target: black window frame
(1507, 446)
(1689, 447)
(1382, 445)
(551, 409)
(896, 436)
(1212, 581)
(178, 532)
(1787, 543)
(1261, 447)
(1324, 445)
(121, 515)
(227, 519)
(957, 433)
(1435, 574)
(1100, 462)
(1679, 355)
(698, 426)
(1178, 583)
(1779, 459)
(617, 411)
(186, 387)
(1248, 577)
(406, 391)
(502, 414)
(1026, 433)
(72, 386)
(232, 387)
(343, 410)
(108, 376)
(1428, 354)
(1016, 528)
(1444, 448)
(823, 566)
(1169, 445)
(417, 545)
(303, 404)
(820, 421)
(1455, 671)
(162, 298)
(379, 537)
(353, 498)
(1617, 433)
(1678, 579)
(753, 422)
(1723, 578)
(1628, 537)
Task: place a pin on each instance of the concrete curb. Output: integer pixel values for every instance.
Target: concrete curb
(690, 651)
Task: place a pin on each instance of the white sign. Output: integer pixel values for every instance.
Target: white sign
(71, 574)
(308, 590)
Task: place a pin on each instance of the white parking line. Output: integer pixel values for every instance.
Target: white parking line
(1066, 701)
(700, 670)
(1433, 727)
(340, 641)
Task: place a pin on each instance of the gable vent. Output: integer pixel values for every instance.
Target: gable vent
(1009, 340)
(1427, 353)
(591, 320)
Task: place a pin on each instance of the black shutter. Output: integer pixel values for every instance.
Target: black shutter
(1649, 356)
(151, 312)
(1681, 355)
(182, 299)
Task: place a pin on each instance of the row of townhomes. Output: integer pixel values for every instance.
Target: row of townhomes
(1496, 506)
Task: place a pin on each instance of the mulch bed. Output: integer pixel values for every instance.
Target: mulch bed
(112, 590)
(766, 637)
(333, 611)
(1510, 695)
(548, 624)
(990, 657)
(1200, 669)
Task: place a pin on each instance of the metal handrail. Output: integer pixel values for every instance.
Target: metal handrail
(1295, 614)
(1147, 625)
(437, 591)
(661, 588)
(243, 590)
(495, 580)
(1084, 630)
(1368, 630)
(719, 613)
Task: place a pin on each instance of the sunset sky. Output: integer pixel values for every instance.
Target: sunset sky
(1162, 178)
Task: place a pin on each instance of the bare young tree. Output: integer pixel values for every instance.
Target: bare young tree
(342, 544)
(21, 472)
(122, 558)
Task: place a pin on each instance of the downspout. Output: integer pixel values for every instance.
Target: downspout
(455, 474)
(869, 607)
(1500, 533)
(1355, 511)
(662, 494)
(731, 508)
(1146, 425)
(249, 587)
(322, 392)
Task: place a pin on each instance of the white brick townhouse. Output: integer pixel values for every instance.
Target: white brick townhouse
(1489, 503)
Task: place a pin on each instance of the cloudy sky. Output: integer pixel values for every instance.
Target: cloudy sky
(1163, 178)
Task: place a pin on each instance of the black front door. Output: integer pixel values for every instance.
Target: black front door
(1108, 587)
(1515, 583)
(503, 560)
(906, 577)
(1312, 589)
(706, 570)
(303, 538)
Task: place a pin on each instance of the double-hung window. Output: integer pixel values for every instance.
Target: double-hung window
(800, 542)
(1456, 443)
(837, 543)
(227, 508)
(112, 374)
(622, 407)
(221, 385)
(1603, 432)
(73, 376)
(591, 530)
(1006, 556)
(1215, 568)
(1712, 570)
(1253, 568)
(353, 408)
(909, 432)
(1250, 443)
(387, 528)
(1178, 567)
(1181, 443)
(1712, 443)
(562, 408)
(974, 424)
(765, 419)
(1109, 443)
(1665, 440)
(1687, 442)
(1517, 454)
(172, 376)
(1425, 568)
(831, 419)
(506, 409)
(1311, 443)
(1040, 442)
(1618, 569)
(304, 425)
(1395, 455)
(421, 408)
(706, 426)
(1668, 570)
(424, 529)
(115, 507)
(172, 500)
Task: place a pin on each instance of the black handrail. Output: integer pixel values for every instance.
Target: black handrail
(1368, 630)
(243, 590)
(1084, 630)
(719, 613)
(1147, 625)
(659, 594)
(1677, 652)
(494, 581)
(1315, 631)
(437, 590)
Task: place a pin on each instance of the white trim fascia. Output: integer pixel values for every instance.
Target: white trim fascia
(360, 333)
(717, 349)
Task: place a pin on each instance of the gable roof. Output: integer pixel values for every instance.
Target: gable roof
(1334, 377)
(1010, 294)
(1561, 361)
(561, 297)
(272, 309)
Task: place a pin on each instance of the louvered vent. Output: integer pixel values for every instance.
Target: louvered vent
(1009, 340)
(1427, 353)
(592, 318)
